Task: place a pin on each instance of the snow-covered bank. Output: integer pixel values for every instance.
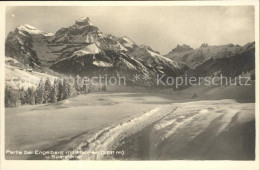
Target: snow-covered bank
(33, 127)
(203, 130)
(19, 78)
(108, 139)
(167, 130)
(142, 126)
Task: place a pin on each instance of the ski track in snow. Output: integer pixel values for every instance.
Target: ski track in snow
(108, 138)
(191, 118)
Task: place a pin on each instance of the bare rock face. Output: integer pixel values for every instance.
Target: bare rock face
(181, 48)
(82, 49)
(204, 45)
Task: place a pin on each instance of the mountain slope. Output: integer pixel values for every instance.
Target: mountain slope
(82, 49)
(29, 45)
(232, 66)
(195, 57)
(229, 60)
(107, 54)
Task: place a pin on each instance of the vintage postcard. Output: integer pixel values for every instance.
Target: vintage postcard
(130, 85)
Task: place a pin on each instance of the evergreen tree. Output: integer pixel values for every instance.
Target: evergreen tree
(39, 94)
(60, 90)
(65, 89)
(54, 94)
(85, 89)
(68, 89)
(22, 96)
(104, 88)
(30, 98)
(7, 97)
(12, 97)
(72, 90)
(47, 90)
(77, 84)
(90, 89)
(194, 96)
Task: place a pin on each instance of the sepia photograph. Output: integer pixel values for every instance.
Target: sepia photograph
(130, 83)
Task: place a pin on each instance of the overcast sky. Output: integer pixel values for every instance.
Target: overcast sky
(162, 28)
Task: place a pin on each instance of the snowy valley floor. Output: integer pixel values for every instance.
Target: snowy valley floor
(133, 126)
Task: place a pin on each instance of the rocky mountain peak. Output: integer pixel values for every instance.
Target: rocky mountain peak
(148, 48)
(181, 48)
(83, 21)
(32, 30)
(204, 45)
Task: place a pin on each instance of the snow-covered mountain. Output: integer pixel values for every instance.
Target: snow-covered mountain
(229, 65)
(82, 49)
(32, 30)
(195, 57)
(29, 45)
(229, 60)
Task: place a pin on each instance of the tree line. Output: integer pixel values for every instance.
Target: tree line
(46, 92)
